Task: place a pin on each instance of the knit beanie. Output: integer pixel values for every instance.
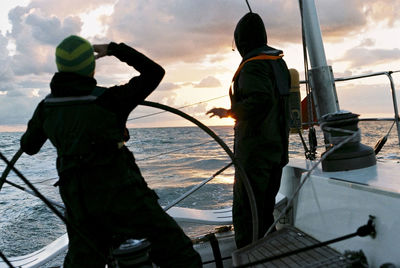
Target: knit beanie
(75, 55)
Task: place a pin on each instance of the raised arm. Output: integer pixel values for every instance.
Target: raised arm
(139, 87)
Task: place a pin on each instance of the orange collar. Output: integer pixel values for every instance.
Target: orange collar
(259, 57)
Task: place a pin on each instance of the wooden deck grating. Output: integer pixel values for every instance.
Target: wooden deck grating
(285, 240)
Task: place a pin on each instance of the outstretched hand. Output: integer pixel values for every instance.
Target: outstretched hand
(220, 112)
(101, 50)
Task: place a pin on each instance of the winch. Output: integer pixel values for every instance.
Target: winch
(133, 253)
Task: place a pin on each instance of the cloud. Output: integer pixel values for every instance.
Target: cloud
(6, 73)
(340, 18)
(189, 30)
(383, 10)
(366, 99)
(209, 81)
(175, 30)
(66, 8)
(343, 18)
(35, 37)
(173, 33)
(168, 86)
(17, 106)
(367, 42)
(51, 31)
(361, 56)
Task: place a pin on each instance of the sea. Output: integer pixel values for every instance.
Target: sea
(172, 160)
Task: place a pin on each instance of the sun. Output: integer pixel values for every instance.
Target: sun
(94, 22)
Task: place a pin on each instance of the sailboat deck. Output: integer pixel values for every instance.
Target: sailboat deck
(377, 178)
(286, 240)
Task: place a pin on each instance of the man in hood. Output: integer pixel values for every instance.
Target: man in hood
(106, 198)
(259, 105)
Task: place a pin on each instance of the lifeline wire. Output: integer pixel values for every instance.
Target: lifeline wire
(172, 151)
(195, 188)
(6, 260)
(8, 168)
(185, 106)
(391, 128)
(34, 183)
(51, 207)
(57, 204)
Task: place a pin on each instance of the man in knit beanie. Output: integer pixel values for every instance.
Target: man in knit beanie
(106, 198)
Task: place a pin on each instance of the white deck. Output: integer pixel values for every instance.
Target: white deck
(333, 204)
(381, 178)
(214, 217)
(41, 256)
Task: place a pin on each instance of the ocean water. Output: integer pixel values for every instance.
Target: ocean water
(172, 160)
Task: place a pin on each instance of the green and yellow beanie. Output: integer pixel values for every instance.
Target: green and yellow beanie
(75, 55)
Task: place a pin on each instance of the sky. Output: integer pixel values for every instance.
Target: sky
(192, 40)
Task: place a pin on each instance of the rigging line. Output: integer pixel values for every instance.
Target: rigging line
(32, 193)
(215, 250)
(390, 128)
(53, 209)
(302, 141)
(185, 106)
(311, 154)
(2, 256)
(195, 188)
(46, 180)
(8, 168)
(34, 183)
(290, 200)
(172, 151)
(305, 60)
(248, 5)
(382, 141)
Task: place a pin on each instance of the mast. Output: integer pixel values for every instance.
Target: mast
(321, 77)
(337, 125)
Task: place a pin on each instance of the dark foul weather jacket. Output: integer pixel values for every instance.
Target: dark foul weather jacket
(259, 104)
(86, 131)
(101, 185)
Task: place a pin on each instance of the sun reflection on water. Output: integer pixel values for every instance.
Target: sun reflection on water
(223, 179)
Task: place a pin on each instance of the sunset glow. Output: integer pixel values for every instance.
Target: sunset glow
(192, 40)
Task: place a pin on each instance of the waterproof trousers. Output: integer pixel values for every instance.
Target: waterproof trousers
(265, 181)
(105, 205)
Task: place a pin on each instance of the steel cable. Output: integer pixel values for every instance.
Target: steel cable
(185, 106)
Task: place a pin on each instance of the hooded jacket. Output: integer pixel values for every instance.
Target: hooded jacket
(85, 122)
(259, 101)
